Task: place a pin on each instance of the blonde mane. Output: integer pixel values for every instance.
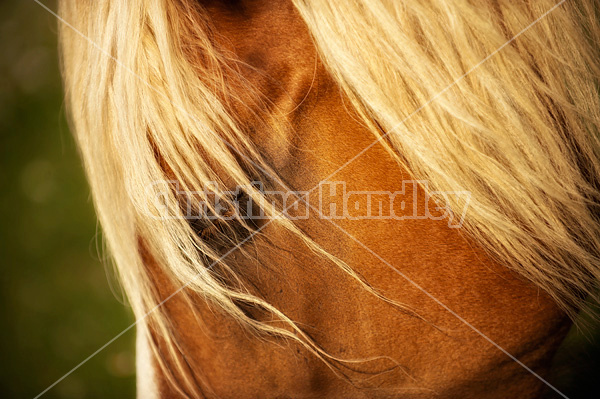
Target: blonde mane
(153, 97)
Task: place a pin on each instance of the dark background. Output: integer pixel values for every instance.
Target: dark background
(58, 306)
(59, 302)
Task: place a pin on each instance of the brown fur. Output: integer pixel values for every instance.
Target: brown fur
(435, 355)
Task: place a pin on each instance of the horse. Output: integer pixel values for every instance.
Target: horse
(354, 199)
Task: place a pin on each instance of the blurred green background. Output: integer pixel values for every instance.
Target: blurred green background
(59, 304)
